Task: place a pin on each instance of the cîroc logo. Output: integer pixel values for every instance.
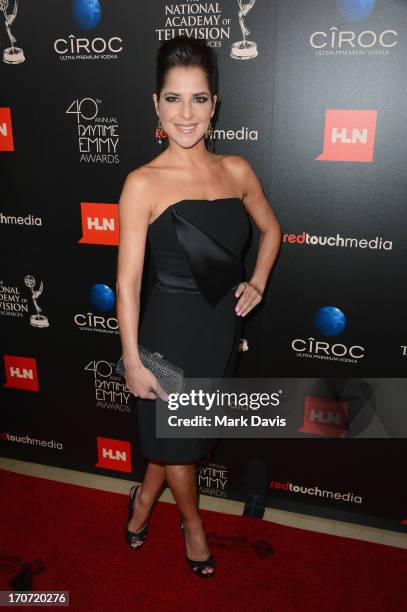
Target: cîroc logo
(102, 298)
(329, 321)
(361, 41)
(86, 15)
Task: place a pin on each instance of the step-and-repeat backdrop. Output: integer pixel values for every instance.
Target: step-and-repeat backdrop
(312, 94)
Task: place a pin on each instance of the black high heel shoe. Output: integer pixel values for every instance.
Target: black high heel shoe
(198, 566)
(133, 536)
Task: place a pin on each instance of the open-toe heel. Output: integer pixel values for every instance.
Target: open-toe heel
(133, 536)
(198, 566)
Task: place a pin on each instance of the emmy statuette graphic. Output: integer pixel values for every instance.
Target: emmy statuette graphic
(244, 49)
(11, 55)
(36, 320)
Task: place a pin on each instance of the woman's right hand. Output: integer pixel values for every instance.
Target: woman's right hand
(138, 381)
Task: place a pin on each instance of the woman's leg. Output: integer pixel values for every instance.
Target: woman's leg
(182, 481)
(147, 494)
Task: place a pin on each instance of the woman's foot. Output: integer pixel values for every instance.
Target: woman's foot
(140, 516)
(196, 545)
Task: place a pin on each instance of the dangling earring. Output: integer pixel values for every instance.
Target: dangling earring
(209, 131)
(158, 131)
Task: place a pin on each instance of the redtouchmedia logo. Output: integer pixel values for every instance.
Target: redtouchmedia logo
(315, 491)
(21, 373)
(100, 223)
(349, 135)
(114, 454)
(374, 244)
(6, 130)
(325, 417)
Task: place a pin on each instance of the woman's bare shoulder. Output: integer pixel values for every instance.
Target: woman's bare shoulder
(138, 194)
(144, 179)
(240, 169)
(144, 173)
(237, 163)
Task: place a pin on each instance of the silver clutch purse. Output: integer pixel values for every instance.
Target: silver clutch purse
(171, 377)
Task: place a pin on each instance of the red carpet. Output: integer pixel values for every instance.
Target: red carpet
(71, 538)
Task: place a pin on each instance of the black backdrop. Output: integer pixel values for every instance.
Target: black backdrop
(77, 116)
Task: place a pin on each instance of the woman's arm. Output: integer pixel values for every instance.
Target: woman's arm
(135, 206)
(260, 211)
(134, 214)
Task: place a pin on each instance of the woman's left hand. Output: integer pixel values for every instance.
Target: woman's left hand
(249, 298)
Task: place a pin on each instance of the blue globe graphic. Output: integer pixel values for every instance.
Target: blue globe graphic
(86, 13)
(102, 297)
(355, 10)
(330, 321)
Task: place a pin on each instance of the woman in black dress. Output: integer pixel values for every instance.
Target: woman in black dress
(192, 206)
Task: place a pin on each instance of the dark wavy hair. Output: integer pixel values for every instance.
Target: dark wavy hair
(185, 51)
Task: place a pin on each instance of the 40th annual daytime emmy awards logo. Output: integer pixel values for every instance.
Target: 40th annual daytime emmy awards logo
(244, 49)
(36, 320)
(11, 55)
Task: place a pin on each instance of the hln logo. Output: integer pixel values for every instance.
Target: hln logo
(100, 223)
(325, 416)
(21, 373)
(6, 130)
(349, 135)
(114, 454)
(322, 416)
(24, 373)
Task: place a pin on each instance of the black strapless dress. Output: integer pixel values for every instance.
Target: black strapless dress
(196, 246)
